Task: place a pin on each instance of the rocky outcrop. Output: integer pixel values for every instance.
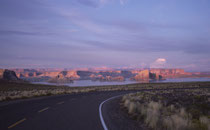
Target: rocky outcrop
(118, 78)
(109, 78)
(110, 73)
(142, 75)
(72, 74)
(95, 77)
(10, 75)
(60, 79)
(84, 75)
(65, 77)
(158, 77)
(127, 74)
(49, 74)
(145, 75)
(1, 73)
(170, 73)
(103, 75)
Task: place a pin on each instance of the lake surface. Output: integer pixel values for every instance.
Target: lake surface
(186, 80)
(82, 83)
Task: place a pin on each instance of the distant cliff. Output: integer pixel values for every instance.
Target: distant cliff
(1, 73)
(69, 74)
(102, 75)
(142, 75)
(107, 78)
(146, 75)
(62, 77)
(170, 73)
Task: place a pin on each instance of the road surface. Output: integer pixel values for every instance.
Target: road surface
(61, 112)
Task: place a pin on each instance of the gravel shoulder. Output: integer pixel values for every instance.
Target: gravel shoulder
(117, 118)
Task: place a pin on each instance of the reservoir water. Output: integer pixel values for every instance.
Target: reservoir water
(82, 83)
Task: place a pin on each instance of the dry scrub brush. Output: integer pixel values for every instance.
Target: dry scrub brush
(160, 112)
(13, 90)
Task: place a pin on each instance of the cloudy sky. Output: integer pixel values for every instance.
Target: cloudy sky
(112, 33)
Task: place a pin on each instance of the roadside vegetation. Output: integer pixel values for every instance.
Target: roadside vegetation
(19, 90)
(187, 109)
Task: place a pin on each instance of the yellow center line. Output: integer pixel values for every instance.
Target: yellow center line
(43, 109)
(60, 103)
(18, 122)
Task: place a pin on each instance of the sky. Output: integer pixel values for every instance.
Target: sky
(105, 33)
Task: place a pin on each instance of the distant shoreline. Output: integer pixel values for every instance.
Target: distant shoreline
(14, 90)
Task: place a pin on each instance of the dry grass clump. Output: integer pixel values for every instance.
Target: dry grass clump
(171, 110)
(11, 90)
(153, 114)
(10, 95)
(204, 122)
(132, 107)
(178, 121)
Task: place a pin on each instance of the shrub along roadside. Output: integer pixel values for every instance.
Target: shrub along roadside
(170, 110)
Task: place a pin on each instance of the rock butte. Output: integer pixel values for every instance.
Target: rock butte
(103, 75)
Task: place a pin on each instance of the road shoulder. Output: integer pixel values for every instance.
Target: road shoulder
(117, 119)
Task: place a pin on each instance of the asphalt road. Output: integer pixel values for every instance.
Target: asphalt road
(62, 112)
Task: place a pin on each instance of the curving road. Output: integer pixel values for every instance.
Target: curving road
(62, 112)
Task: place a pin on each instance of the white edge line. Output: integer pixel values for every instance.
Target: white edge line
(100, 111)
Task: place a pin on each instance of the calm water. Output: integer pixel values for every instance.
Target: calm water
(98, 83)
(186, 80)
(82, 83)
